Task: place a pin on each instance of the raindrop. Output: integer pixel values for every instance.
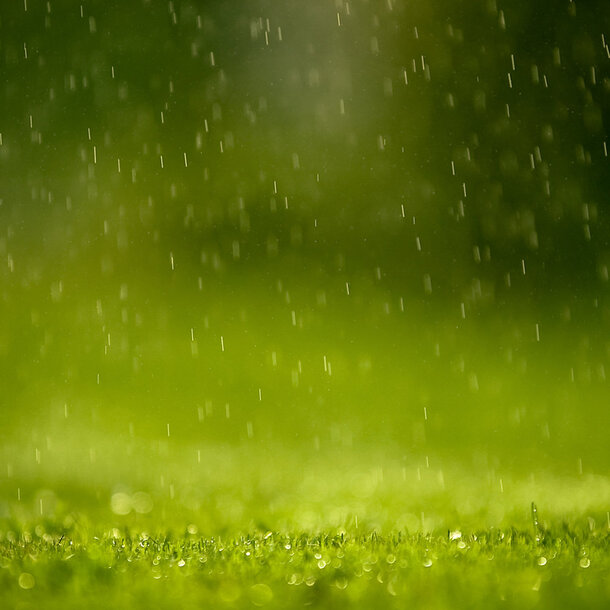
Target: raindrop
(26, 580)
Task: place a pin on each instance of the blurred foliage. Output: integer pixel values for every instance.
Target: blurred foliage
(277, 100)
(288, 219)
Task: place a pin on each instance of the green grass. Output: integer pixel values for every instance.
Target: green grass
(565, 566)
(261, 524)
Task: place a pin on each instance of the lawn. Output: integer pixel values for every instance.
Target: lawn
(566, 566)
(269, 525)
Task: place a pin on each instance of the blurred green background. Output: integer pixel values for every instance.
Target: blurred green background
(290, 246)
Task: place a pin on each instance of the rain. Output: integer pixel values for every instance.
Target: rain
(327, 266)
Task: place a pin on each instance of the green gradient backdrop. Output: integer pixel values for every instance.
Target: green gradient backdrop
(392, 216)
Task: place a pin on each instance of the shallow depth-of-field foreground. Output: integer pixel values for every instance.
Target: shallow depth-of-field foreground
(266, 525)
(566, 566)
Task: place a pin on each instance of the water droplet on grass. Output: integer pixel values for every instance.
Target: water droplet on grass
(26, 580)
(260, 594)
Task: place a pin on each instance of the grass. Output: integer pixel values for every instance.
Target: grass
(565, 566)
(261, 525)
